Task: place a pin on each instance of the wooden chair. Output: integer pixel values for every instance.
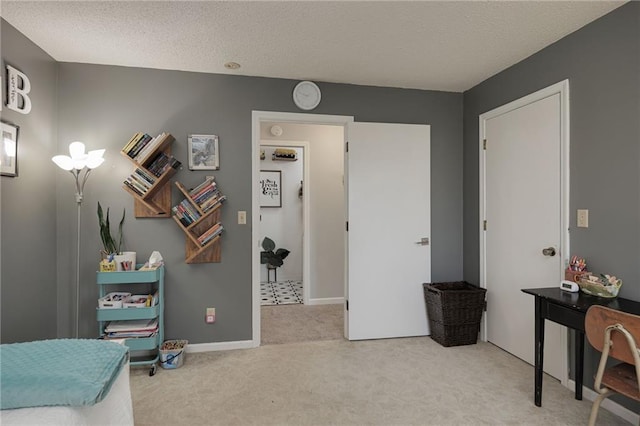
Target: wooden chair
(617, 335)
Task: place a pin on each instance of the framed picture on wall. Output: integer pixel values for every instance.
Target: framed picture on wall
(9, 150)
(270, 188)
(203, 152)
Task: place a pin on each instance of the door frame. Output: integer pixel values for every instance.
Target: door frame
(257, 117)
(306, 206)
(561, 88)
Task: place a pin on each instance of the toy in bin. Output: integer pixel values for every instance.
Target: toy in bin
(172, 353)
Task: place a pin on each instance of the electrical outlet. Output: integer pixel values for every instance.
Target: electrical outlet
(242, 217)
(210, 316)
(583, 218)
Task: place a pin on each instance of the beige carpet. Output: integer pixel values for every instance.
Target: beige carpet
(301, 323)
(412, 381)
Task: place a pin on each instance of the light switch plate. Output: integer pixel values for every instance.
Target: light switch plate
(583, 218)
(242, 217)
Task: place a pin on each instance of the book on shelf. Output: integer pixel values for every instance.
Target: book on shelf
(134, 139)
(161, 163)
(144, 175)
(212, 203)
(210, 234)
(208, 181)
(140, 181)
(151, 146)
(139, 186)
(134, 188)
(186, 213)
(143, 147)
(205, 193)
(139, 145)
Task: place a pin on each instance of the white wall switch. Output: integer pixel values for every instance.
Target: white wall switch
(242, 217)
(583, 218)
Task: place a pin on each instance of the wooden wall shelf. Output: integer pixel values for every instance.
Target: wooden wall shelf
(198, 215)
(154, 167)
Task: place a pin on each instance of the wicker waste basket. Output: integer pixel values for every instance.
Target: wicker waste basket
(454, 310)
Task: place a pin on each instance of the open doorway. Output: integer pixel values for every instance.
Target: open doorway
(282, 221)
(310, 224)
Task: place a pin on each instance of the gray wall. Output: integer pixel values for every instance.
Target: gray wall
(602, 63)
(28, 202)
(105, 105)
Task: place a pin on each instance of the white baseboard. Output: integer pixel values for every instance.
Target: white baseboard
(327, 301)
(220, 346)
(608, 404)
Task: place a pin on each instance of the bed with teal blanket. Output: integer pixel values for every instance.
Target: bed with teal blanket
(62, 375)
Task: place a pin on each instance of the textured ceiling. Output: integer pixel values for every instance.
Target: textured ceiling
(448, 45)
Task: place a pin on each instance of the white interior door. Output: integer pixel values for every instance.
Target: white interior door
(523, 200)
(388, 204)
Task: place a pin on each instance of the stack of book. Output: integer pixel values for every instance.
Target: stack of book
(142, 144)
(207, 195)
(131, 328)
(186, 213)
(162, 162)
(140, 181)
(211, 233)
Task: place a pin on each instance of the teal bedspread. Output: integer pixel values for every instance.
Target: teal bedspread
(58, 372)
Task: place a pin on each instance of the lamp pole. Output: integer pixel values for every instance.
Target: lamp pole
(79, 197)
(75, 164)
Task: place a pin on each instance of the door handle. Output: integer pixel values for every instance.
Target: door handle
(423, 241)
(549, 251)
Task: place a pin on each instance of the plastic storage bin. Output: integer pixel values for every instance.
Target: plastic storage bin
(172, 353)
(454, 310)
(113, 300)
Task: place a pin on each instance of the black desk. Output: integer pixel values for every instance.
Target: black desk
(568, 309)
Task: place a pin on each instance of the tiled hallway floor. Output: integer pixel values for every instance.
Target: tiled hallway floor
(280, 292)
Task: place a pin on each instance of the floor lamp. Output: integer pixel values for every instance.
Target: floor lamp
(75, 163)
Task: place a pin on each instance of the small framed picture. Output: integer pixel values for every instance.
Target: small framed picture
(9, 150)
(203, 152)
(270, 191)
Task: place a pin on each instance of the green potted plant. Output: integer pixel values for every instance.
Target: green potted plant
(273, 259)
(111, 247)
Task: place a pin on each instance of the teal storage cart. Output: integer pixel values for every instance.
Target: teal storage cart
(150, 281)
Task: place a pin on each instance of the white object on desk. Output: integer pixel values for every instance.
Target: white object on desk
(569, 286)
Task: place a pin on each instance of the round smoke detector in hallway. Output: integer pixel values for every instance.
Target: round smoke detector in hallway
(276, 130)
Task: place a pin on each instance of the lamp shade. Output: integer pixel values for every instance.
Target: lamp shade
(79, 163)
(94, 162)
(79, 159)
(76, 150)
(94, 158)
(63, 161)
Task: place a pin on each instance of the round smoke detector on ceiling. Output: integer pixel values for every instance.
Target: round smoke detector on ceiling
(276, 130)
(232, 65)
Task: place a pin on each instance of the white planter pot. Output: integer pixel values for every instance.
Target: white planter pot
(126, 256)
